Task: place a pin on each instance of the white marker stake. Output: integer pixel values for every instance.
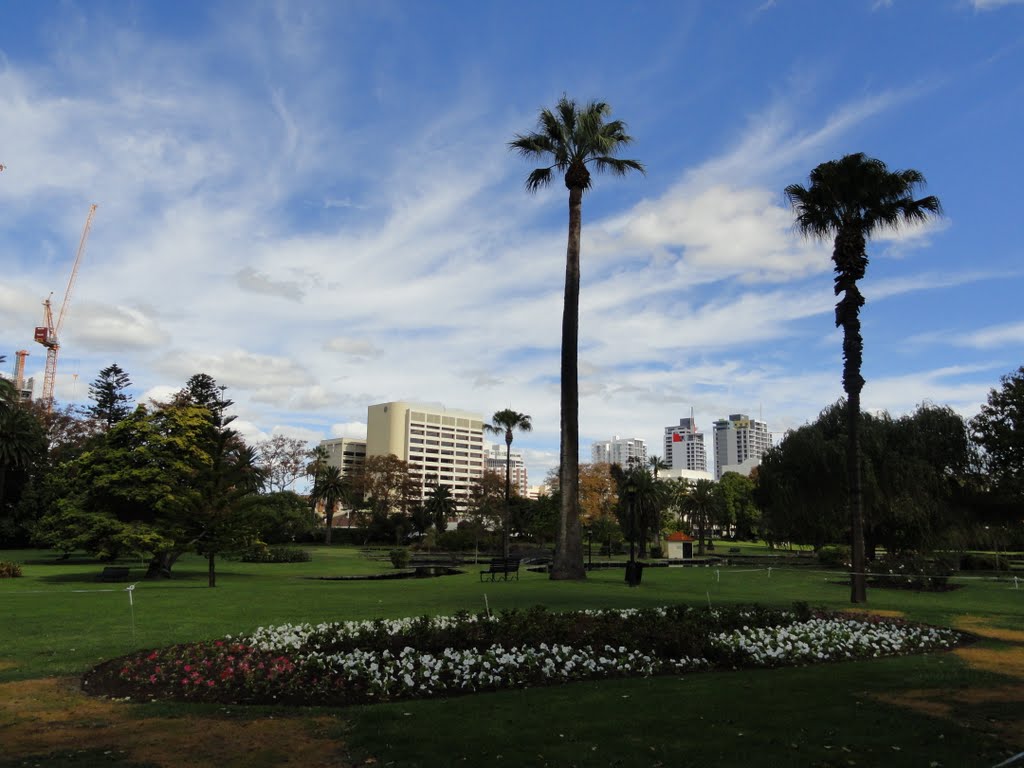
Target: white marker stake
(131, 605)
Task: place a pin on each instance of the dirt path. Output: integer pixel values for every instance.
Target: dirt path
(52, 716)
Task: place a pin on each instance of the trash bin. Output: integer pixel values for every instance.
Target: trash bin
(634, 572)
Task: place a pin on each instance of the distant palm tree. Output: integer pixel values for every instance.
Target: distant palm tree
(504, 422)
(572, 137)
(441, 506)
(656, 463)
(849, 200)
(699, 504)
(329, 489)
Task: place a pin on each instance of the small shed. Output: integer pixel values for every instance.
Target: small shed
(679, 546)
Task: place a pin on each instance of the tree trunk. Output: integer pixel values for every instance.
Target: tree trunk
(568, 559)
(850, 264)
(329, 519)
(508, 492)
(212, 570)
(160, 566)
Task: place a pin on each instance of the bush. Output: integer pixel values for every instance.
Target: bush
(400, 558)
(9, 570)
(907, 571)
(656, 553)
(974, 561)
(834, 556)
(261, 553)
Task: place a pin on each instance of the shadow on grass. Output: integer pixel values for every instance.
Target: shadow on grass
(79, 758)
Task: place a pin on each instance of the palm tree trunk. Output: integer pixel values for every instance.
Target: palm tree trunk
(329, 519)
(858, 581)
(850, 264)
(212, 570)
(508, 491)
(568, 560)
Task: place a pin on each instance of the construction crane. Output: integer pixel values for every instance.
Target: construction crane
(48, 334)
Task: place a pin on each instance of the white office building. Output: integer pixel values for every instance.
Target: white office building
(494, 459)
(684, 447)
(619, 450)
(346, 453)
(740, 442)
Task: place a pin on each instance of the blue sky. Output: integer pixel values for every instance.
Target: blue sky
(314, 203)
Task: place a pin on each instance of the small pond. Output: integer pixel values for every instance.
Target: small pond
(419, 572)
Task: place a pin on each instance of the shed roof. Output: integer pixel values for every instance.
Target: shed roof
(679, 536)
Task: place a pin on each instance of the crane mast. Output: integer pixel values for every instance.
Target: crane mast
(48, 334)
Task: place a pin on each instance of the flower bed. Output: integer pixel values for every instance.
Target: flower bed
(383, 660)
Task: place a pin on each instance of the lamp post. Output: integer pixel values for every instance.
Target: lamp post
(632, 574)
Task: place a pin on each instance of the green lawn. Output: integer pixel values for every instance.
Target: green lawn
(58, 620)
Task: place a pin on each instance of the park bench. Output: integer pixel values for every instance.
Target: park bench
(114, 573)
(504, 566)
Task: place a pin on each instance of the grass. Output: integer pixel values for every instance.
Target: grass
(949, 709)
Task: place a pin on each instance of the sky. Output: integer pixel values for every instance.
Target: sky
(314, 203)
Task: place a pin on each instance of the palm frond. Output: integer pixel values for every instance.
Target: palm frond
(618, 166)
(539, 177)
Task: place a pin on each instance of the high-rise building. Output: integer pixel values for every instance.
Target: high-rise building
(441, 445)
(619, 450)
(346, 453)
(494, 457)
(740, 442)
(684, 447)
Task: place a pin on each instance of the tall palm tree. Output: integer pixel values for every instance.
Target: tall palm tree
(571, 138)
(330, 489)
(849, 200)
(505, 421)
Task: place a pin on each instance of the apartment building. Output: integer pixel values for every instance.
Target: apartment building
(740, 442)
(494, 460)
(619, 450)
(685, 448)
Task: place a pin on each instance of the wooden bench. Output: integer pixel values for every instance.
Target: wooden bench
(114, 573)
(503, 566)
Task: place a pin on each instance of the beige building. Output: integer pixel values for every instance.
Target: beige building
(346, 453)
(441, 445)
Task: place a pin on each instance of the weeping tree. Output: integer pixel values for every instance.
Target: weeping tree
(848, 200)
(572, 139)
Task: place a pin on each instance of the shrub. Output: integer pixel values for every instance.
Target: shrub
(656, 553)
(907, 571)
(834, 556)
(400, 558)
(261, 553)
(9, 570)
(974, 561)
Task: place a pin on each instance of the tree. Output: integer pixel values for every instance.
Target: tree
(504, 422)
(999, 431)
(736, 504)
(387, 488)
(441, 506)
(656, 463)
(330, 489)
(641, 501)
(112, 403)
(572, 138)
(128, 492)
(849, 200)
(282, 517)
(700, 505)
(216, 508)
(203, 391)
(284, 459)
(22, 452)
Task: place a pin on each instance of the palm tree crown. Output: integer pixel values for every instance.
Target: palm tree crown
(850, 199)
(572, 139)
(330, 488)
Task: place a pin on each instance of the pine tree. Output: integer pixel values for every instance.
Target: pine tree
(113, 404)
